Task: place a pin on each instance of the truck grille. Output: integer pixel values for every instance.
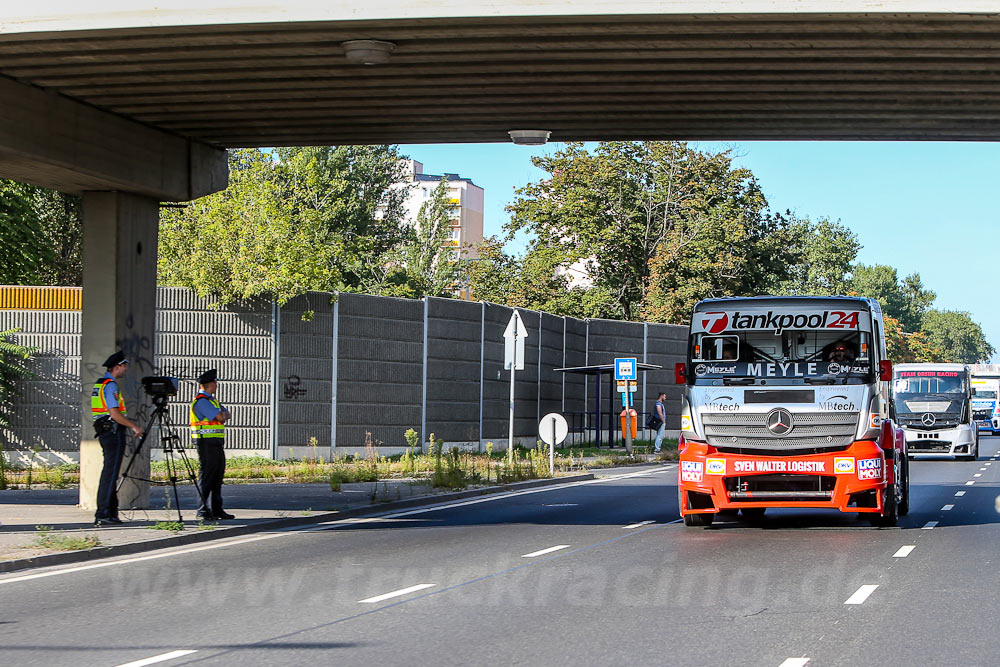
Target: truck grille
(812, 430)
(780, 487)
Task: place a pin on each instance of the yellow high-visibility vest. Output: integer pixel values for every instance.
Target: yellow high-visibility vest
(207, 428)
(98, 406)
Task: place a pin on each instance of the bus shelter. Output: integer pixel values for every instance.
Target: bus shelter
(591, 423)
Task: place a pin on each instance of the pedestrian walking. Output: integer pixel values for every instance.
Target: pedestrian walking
(107, 407)
(208, 430)
(658, 420)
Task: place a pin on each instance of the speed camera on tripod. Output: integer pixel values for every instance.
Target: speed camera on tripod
(160, 385)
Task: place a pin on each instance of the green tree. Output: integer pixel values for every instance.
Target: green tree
(905, 300)
(430, 258)
(956, 336)
(823, 252)
(323, 218)
(42, 231)
(616, 208)
(14, 369)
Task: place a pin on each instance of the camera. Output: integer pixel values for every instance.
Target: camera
(160, 386)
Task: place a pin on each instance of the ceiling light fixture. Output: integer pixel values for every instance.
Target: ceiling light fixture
(529, 137)
(368, 51)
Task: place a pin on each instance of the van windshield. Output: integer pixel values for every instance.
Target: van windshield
(789, 354)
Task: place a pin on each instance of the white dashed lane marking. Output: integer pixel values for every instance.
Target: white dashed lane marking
(959, 494)
(978, 474)
(861, 594)
(904, 551)
(396, 594)
(157, 658)
(970, 483)
(947, 508)
(929, 525)
(795, 662)
(637, 525)
(535, 554)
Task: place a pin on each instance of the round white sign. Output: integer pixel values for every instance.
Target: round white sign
(553, 424)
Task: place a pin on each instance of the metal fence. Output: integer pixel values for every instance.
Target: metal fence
(338, 372)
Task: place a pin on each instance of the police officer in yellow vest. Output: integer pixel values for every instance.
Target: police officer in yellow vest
(108, 410)
(208, 430)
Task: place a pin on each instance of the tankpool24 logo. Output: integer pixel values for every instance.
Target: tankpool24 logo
(714, 323)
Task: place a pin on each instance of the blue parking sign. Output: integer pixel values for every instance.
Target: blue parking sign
(625, 369)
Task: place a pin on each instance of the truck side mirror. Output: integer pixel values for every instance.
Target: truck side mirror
(680, 373)
(885, 370)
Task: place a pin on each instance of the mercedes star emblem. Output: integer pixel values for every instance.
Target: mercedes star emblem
(928, 419)
(779, 422)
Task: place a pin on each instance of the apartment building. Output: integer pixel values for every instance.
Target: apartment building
(467, 198)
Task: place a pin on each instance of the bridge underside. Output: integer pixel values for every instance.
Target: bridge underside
(706, 77)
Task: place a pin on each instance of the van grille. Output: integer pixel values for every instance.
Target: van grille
(811, 430)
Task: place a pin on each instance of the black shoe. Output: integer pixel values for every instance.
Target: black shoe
(114, 520)
(104, 521)
(205, 516)
(224, 515)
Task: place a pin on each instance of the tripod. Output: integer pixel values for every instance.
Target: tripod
(171, 444)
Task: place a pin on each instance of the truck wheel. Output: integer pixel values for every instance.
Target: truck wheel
(698, 519)
(890, 507)
(904, 501)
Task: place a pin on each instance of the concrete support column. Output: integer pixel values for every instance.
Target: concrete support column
(119, 312)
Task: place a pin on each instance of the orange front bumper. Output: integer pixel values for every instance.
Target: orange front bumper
(709, 480)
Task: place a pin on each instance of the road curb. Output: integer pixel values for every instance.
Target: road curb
(98, 553)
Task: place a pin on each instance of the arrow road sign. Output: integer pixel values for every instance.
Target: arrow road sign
(514, 336)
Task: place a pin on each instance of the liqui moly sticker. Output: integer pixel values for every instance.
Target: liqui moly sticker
(779, 319)
(843, 465)
(869, 468)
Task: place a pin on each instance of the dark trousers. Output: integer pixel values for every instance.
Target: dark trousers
(213, 468)
(113, 448)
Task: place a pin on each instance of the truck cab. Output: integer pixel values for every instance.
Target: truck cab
(985, 409)
(933, 405)
(786, 404)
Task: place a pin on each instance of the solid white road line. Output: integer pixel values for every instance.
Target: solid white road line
(904, 551)
(970, 483)
(959, 494)
(94, 566)
(157, 658)
(323, 526)
(795, 662)
(534, 554)
(929, 525)
(396, 594)
(861, 594)
(637, 525)
(947, 508)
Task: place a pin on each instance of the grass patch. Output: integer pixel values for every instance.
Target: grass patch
(172, 526)
(46, 539)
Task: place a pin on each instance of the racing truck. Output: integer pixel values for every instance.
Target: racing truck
(985, 409)
(933, 405)
(786, 404)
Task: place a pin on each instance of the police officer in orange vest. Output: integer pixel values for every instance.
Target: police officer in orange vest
(108, 410)
(208, 430)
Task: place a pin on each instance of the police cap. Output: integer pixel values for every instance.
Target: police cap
(210, 375)
(115, 359)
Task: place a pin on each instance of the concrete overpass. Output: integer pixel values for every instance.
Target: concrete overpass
(134, 102)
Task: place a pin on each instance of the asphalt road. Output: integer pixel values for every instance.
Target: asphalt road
(591, 573)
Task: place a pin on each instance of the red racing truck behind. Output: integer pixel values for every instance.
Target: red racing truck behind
(786, 405)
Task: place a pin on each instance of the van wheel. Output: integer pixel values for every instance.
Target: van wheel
(698, 519)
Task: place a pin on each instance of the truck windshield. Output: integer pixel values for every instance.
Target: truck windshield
(788, 355)
(928, 382)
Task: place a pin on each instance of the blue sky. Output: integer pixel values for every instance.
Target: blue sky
(925, 207)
